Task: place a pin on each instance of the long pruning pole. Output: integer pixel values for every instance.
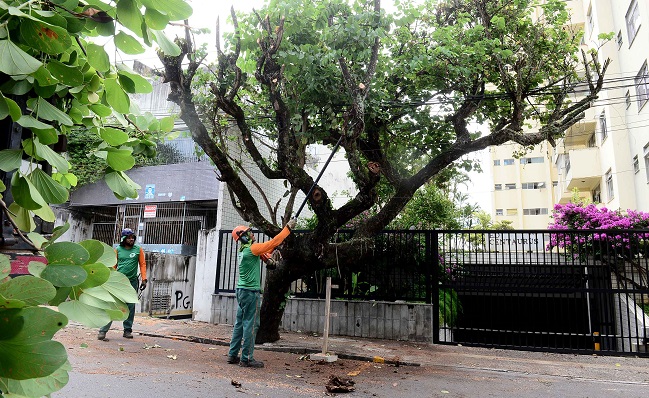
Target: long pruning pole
(333, 152)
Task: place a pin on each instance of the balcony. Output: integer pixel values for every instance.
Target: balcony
(579, 135)
(584, 171)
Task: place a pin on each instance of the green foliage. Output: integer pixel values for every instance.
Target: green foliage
(429, 208)
(53, 80)
(80, 279)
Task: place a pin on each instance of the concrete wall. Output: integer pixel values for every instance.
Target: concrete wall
(370, 319)
(171, 277)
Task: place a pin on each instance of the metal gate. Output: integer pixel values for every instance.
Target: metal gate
(529, 290)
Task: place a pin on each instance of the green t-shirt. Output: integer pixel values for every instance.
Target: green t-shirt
(249, 270)
(128, 261)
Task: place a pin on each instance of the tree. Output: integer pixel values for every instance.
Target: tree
(400, 92)
(54, 80)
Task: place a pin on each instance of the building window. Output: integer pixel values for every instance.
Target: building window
(591, 22)
(646, 160)
(497, 162)
(642, 86)
(508, 162)
(535, 212)
(597, 194)
(602, 126)
(498, 187)
(538, 159)
(632, 20)
(510, 186)
(619, 40)
(609, 185)
(592, 143)
(512, 212)
(627, 99)
(636, 164)
(532, 185)
(499, 212)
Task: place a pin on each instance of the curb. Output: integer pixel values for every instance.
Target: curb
(285, 349)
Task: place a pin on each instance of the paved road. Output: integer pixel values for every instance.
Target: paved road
(162, 363)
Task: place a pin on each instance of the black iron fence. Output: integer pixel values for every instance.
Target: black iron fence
(560, 291)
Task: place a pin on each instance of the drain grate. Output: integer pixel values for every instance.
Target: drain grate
(161, 300)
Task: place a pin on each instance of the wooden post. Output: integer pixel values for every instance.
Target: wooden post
(325, 355)
(325, 342)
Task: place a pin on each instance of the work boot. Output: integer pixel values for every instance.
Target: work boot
(128, 335)
(233, 360)
(101, 336)
(251, 364)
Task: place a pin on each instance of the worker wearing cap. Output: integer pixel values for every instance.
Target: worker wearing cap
(248, 293)
(130, 257)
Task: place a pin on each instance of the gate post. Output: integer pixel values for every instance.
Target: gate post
(432, 244)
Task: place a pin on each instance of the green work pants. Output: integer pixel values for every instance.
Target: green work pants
(246, 324)
(128, 322)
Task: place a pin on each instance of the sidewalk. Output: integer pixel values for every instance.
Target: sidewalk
(402, 353)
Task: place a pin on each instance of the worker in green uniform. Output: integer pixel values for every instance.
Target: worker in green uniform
(130, 257)
(248, 293)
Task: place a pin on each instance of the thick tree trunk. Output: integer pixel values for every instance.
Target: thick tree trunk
(272, 306)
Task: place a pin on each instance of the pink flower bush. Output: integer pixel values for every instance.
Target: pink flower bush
(612, 227)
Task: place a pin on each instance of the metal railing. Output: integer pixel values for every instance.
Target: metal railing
(560, 291)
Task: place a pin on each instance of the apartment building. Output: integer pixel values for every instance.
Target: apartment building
(603, 158)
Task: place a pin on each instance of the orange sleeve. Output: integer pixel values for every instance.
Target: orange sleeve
(142, 264)
(260, 248)
(116, 259)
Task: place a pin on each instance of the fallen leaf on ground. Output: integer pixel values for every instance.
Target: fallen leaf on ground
(172, 357)
(235, 383)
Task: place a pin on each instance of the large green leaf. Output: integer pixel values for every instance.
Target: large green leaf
(140, 85)
(47, 111)
(84, 313)
(66, 253)
(120, 159)
(39, 386)
(116, 96)
(100, 293)
(14, 61)
(37, 239)
(58, 232)
(21, 217)
(5, 266)
(101, 110)
(99, 252)
(25, 194)
(47, 38)
(155, 20)
(64, 275)
(97, 57)
(29, 289)
(97, 275)
(167, 124)
(6, 304)
(130, 16)
(52, 157)
(66, 74)
(119, 286)
(117, 311)
(121, 185)
(31, 352)
(10, 159)
(128, 44)
(177, 10)
(9, 107)
(50, 190)
(167, 46)
(36, 267)
(45, 80)
(113, 136)
(45, 213)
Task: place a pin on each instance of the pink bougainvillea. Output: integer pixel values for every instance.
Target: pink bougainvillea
(619, 229)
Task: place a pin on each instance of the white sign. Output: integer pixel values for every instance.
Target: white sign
(150, 211)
